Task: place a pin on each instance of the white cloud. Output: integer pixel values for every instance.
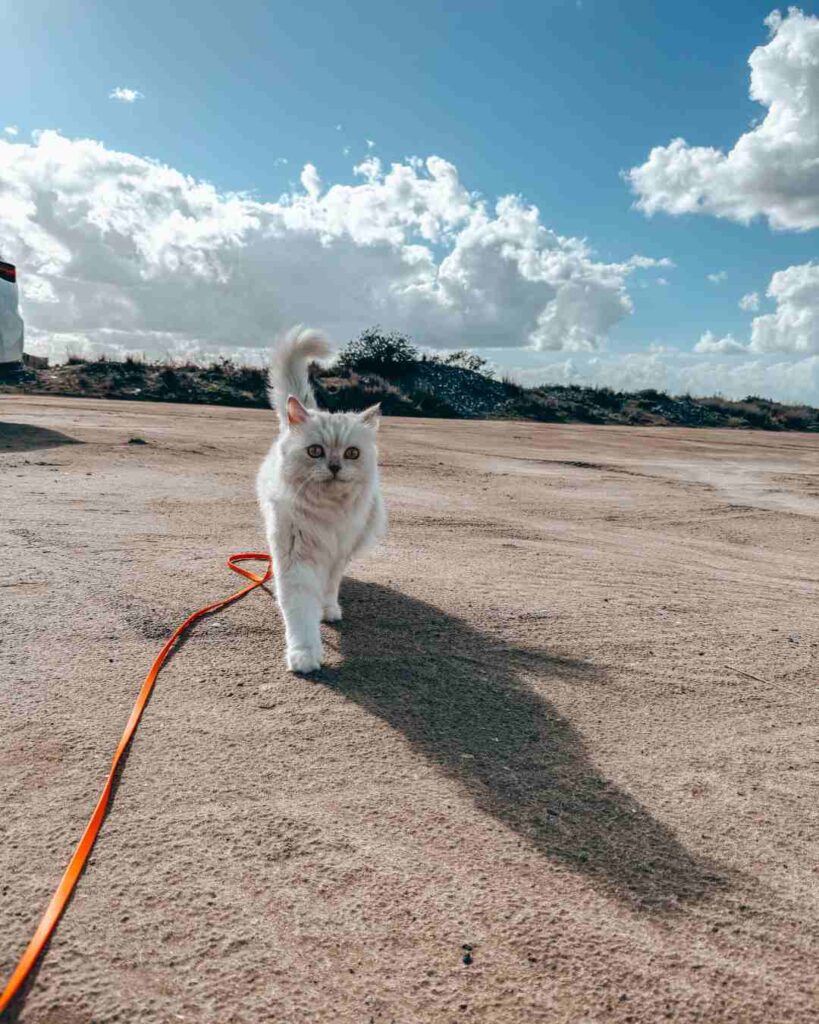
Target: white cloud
(280, 161)
(662, 281)
(370, 169)
(647, 262)
(310, 181)
(772, 171)
(339, 127)
(370, 143)
(724, 346)
(12, 130)
(124, 253)
(718, 278)
(794, 380)
(125, 95)
(794, 325)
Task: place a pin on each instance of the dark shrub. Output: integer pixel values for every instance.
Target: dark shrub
(468, 361)
(607, 398)
(169, 379)
(652, 395)
(389, 354)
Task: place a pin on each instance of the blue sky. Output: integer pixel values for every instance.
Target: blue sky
(550, 101)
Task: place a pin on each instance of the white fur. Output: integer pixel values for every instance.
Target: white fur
(316, 522)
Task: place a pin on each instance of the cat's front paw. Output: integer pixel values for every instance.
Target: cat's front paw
(303, 660)
(332, 612)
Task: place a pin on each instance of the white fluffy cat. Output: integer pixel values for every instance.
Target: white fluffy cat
(319, 494)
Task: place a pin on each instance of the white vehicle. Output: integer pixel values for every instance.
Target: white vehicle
(11, 323)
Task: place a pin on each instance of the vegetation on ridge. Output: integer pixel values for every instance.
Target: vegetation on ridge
(387, 367)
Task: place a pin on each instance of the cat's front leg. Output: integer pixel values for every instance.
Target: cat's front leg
(300, 592)
(332, 609)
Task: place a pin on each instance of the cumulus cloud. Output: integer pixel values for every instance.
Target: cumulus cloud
(125, 95)
(371, 169)
(793, 380)
(310, 181)
(725, 346)
(117, 252)
(772, 171)
(794, 325)
(792, 328)
(718, 277)
(12, 130)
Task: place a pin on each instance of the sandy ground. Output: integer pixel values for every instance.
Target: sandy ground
(568, 728)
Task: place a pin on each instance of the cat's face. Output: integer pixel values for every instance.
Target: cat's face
(336, 451)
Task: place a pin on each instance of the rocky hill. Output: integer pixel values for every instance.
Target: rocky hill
(417, 387)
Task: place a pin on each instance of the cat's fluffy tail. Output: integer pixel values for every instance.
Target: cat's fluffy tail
(287, 374)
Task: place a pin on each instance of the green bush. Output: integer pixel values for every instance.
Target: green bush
(467, 361)
(388, 354)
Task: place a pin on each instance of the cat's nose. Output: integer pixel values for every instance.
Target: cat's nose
(335, 468)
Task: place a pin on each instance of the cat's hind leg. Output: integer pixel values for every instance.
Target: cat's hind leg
(331, 611)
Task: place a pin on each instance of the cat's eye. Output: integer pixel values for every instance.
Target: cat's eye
(352, 452)
(315, 451)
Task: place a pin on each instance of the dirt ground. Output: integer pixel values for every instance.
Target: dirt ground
(568, 731)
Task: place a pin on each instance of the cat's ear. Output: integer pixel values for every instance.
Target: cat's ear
(371, 416)
(296, 412)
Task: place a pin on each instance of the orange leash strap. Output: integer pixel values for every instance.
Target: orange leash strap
(63, 892)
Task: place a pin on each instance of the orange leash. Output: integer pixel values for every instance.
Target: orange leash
(63, 892)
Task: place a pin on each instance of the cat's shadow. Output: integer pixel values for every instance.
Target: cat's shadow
(466, 700)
